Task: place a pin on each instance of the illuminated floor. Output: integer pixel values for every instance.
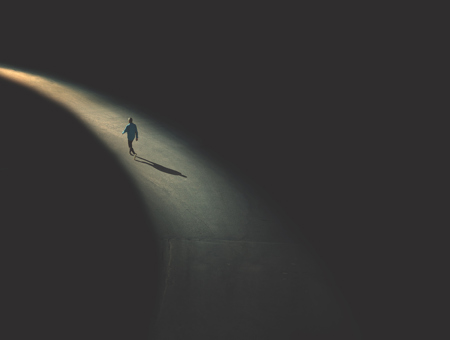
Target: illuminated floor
(230, 269)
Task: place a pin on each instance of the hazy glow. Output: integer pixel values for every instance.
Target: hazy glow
(83, 103)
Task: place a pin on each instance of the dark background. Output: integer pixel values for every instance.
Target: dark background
(302, 100)
(79, 256)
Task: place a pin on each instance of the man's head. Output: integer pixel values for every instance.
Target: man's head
(130, 120)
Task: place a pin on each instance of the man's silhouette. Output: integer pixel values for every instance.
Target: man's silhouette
(131, 130)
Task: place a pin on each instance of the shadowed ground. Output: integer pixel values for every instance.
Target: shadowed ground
(79, 250)
(315, 102)
(230, 266)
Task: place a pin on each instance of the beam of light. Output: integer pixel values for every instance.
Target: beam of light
(76, 99)
(197, 204)
(106, 119)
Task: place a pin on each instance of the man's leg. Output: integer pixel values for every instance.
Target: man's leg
(132, 150)
(130, 145)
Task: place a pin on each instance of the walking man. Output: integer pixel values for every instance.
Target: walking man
(131, 130)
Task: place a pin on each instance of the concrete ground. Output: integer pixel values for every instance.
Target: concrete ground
(227, 267)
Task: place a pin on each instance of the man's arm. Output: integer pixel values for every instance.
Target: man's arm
(136, 134)
(126, 129)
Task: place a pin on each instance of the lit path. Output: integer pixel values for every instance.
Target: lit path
(231, 269)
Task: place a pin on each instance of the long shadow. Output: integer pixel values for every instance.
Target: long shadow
(160, 167)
